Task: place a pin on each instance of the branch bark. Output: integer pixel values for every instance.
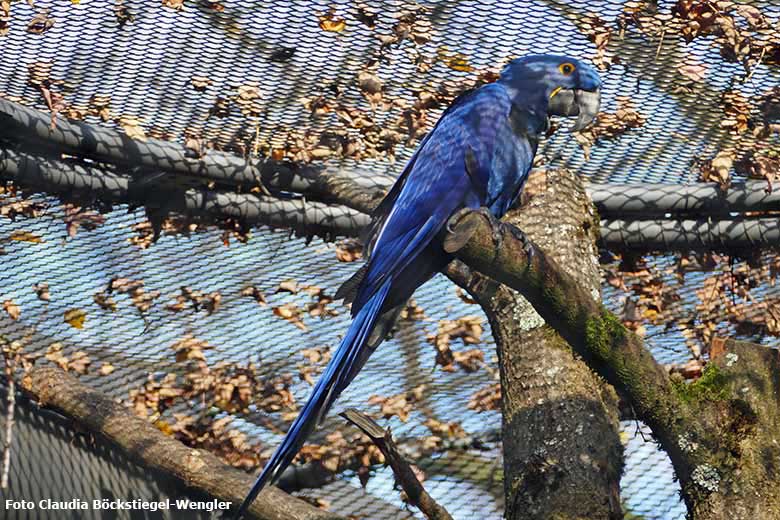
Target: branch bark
(32, 127)
(197, 469)
(75, 181)
(549, 396)
(714, 430)
(403, 472)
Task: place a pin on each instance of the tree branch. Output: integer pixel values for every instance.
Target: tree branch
(542, 382)
(198, 469)
(713, 429)
(623, 201)
(401, 468)
(500, 251)
(77, 181)
(20, 123)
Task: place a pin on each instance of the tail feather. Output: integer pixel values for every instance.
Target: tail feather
(338, 374)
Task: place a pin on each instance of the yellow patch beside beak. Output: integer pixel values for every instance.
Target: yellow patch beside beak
(555, 91)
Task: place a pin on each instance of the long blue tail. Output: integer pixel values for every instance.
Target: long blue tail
(347, 360)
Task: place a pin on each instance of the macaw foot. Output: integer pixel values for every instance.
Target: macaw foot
(528, 246)
(460, 228)
(496, 225)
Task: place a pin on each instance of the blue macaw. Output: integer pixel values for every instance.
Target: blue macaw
(478, 155)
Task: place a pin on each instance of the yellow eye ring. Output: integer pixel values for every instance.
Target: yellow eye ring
(566, 68)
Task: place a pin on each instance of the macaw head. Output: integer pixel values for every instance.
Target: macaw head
(559, 85)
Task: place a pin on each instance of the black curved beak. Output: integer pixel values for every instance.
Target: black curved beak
(584, 104)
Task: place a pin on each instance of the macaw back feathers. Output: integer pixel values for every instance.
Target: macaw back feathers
(478, 155)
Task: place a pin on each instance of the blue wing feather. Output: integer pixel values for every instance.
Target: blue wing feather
(437, 183)
(322, 397)
(434, 185)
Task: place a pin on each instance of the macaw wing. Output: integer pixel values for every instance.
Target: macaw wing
(349, 288)
(379, 215)
(435, 185)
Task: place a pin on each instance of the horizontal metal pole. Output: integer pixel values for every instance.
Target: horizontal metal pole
(626, 209)
(100, 142)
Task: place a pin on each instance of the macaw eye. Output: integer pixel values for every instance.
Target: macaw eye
(566, 68)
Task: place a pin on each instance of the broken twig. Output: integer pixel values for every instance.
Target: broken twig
(402, 470)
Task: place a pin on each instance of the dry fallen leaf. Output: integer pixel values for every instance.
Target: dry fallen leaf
(25, 236)
(105, 301)
(469, 330)
(737, 109)
(718, 168)
(291, 313)
(216, 5)
(255, 293)
(132, 127)
(695, 72)
(464, 297)
(5, 16)
(106, 369)
(190, 348)
(123, 13)
(400, 405)
(174, 4)
(349, 250)
(39, 73)
(449, 430)
(79, 362)
(486, 399)
(599, 32)
(55, 355)
(369, 82)
(77, 217)
(609, 126)
(42, 291)
(459, 62)
(40, 23)
(290, 286)
(331, 22)
(366, 14)
(412, 311)
(12, 309)
(75, 318)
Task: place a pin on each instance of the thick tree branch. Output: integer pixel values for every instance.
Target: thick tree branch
(713, 429)
(642, 201)
(548, 394)
(20, 123)
(403, 472)
(197, 469)
(77, 181)
(501, 252)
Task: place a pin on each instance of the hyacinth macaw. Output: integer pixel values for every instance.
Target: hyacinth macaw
(478, 155)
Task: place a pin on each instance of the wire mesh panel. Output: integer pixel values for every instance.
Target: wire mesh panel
(352, 85)
(54, 462)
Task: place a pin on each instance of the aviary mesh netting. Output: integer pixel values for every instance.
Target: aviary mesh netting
(354, 85)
